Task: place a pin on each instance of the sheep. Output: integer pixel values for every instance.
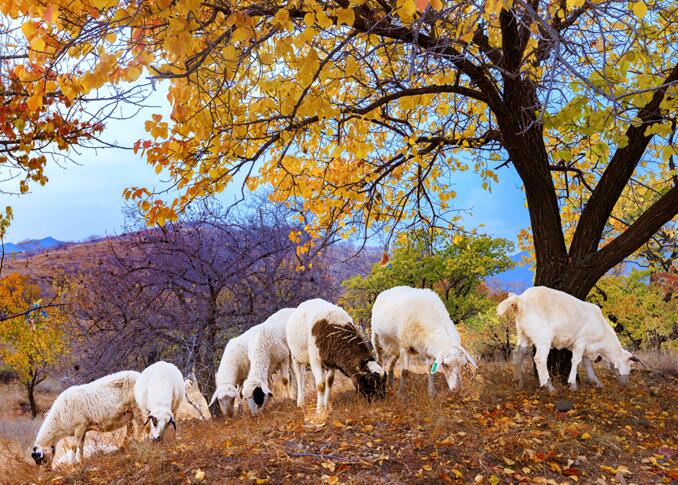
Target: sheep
(232, 372)
(158, 393)
(105, 404)
(267, 352)
(194, 405)
(549, 318)
(413, 321)
(323, 335)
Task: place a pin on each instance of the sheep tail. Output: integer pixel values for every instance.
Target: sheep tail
(510, 304)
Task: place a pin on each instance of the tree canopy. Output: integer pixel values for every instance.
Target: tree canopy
(454, 266)
(364, 109)
(31, 341)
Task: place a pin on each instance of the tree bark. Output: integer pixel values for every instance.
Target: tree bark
(30, 390)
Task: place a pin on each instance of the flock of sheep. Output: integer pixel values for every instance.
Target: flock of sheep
(405, 322)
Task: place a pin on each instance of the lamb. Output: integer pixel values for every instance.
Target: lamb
(158, 393)
(267, 352)
(549, 318)
(232, 372)
(413, 321)
(105, 404)
(323, 335)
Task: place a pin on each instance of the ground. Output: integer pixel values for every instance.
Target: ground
(490, 433)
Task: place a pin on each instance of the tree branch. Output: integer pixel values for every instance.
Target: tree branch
(617, 174)
(640, 231)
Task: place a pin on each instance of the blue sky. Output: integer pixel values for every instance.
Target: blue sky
(86, 199)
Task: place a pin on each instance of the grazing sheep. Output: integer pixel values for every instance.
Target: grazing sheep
(549, 318)
(267, 353)
(323, 335)
(194, 405)
(105, 404)
(232, 372)
(412, 321)
(159, 392)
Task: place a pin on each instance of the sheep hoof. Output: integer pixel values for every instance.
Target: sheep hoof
(549, 387)
(573, 386)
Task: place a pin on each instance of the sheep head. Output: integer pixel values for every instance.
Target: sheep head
(158, 421)
(42, 454)
(257, 394)
(371, 380)
(451, 362)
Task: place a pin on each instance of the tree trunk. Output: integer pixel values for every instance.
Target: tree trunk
(30, 391)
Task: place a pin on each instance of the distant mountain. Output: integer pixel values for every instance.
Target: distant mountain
(517, 279)
(33, 246)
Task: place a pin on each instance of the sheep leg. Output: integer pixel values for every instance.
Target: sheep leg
(540, 361)
(80, 437)
(517, 358)
(285, 376)
(576, 359)
(430, 378)
(329, 380)
(319, 376)
(590, 375)
(404, 366)
(391, 371)
(299, 374)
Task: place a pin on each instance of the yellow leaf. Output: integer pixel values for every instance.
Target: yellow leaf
(37, 44)
(572, 4)
(199, 475)
(345, 16)
(639, 9)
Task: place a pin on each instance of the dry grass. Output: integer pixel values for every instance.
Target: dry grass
(665, 362)
(492, 431)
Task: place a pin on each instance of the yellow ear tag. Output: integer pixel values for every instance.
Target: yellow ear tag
(434, 367)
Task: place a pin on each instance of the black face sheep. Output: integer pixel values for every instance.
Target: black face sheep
(267, 353)
(323, 335)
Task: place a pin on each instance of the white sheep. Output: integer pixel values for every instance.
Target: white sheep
(158, 393)
(232, 372)
(414, 321)
(323, 335)
(267, 353)
(549, 318)
(105, 404)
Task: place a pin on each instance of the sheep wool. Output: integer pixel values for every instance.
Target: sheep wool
(105, 404)
(159, 392)
(267, 353)
(414, 321)
(549, 318)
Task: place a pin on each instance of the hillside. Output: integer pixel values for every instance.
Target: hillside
(33, 245)
(50, 259)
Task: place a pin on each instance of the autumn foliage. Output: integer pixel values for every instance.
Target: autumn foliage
(33, 341)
